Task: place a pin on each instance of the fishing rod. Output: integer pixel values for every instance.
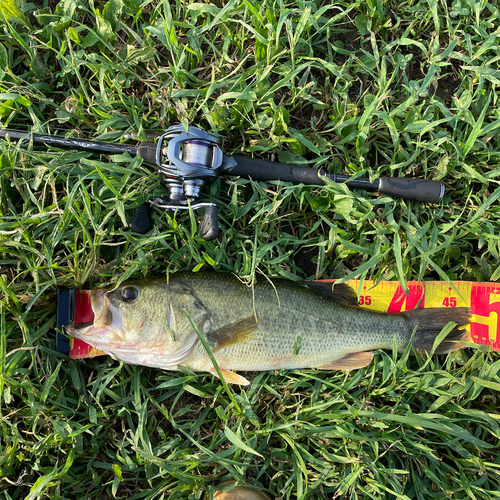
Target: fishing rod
(186, 159)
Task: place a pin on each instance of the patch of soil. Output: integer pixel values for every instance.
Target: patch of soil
(354, 261)
(350, 39)
(354, 91)
(446, 87)
(303, 260)
(414, 70)
(302, 116)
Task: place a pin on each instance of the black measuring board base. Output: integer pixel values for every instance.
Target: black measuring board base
(65, 316)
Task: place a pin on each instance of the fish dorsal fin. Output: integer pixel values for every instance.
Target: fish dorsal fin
(232, 378)
(232, 334)
(350, 362)
(340, 293)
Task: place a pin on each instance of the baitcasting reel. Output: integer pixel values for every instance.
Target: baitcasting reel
(186, 159)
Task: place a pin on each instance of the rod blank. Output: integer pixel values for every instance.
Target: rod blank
(62, 142)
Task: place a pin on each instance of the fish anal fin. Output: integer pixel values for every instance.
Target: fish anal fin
(340, 293)
(232, 378)
(232, 334)
(349, 362)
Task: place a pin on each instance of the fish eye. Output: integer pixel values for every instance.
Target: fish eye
(130, 294)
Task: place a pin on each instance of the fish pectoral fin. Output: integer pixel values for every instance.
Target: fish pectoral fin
(350, 362)
(232, 334)
(231, 377)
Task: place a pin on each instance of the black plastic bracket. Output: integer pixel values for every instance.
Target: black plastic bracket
(65, 316)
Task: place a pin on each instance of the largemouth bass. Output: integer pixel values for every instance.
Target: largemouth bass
(273, 325)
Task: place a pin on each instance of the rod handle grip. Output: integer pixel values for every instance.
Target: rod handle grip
(412, 189)
(263, 170)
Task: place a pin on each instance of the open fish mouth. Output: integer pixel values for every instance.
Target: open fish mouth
(107, 325)
(93, 335)
(106, 340)
(81, 326)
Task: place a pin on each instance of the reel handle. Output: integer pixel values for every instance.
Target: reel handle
(209, 229)
(141, 221)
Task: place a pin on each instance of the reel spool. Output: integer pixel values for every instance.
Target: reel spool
(189, 159)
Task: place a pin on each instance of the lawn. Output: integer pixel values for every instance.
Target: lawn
(368, 88)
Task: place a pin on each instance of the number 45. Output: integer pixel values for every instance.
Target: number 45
(450, 302)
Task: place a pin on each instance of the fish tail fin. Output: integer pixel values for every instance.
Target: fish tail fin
(429, 322)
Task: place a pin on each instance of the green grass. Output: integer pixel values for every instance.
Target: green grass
(369, 88)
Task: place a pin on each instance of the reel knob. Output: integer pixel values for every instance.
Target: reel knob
(209, 229)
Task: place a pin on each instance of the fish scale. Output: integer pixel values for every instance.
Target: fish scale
(327, 330)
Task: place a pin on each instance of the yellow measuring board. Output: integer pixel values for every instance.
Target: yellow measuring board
(387, 296)
(482, 298)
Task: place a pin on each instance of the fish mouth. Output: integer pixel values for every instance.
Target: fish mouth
(107, 325)
(100, 306)
(81, 326)
(91, 334)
